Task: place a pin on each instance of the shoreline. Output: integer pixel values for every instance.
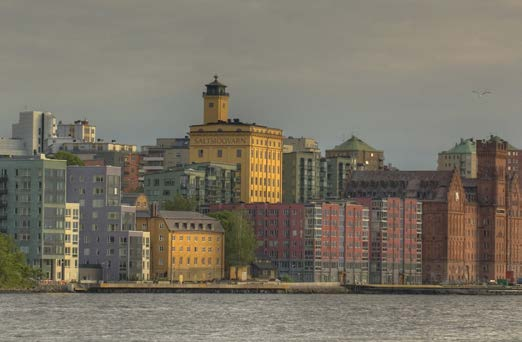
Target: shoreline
(271, 288)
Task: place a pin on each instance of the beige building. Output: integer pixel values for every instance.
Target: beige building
(363, 156)
(302, 144)
(463, 156)
(257, 149)
(71, 242)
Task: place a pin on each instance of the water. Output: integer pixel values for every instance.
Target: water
(247, 317)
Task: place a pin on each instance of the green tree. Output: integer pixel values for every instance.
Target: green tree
(240, 238)
(69, 157)
(14, 271)
(180, 203)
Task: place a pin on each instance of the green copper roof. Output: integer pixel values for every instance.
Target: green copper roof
(354, 144)
(466, 146)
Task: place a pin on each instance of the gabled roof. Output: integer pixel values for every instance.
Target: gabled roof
(355, 144)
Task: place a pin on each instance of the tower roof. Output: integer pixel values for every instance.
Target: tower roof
(215, 82)
(354, 144)
(215, 88)
(466, 146)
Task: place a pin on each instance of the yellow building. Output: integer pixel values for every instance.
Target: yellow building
(257, 149)
(185, 245)
(69, 264)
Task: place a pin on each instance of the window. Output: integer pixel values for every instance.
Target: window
(211, 105)
(238, 153)
(200, 153)
(220, 153)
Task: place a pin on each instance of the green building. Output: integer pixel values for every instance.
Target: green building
(206, 183)
(33, 213)
(462, 156)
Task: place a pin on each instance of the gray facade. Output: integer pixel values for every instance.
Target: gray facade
(108, 236)
(301, 177)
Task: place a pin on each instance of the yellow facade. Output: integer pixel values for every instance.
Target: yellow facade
(190, 247)
(258, 149)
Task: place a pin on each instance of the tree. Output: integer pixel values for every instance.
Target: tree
(180, 203)
(240, 239)
(14, 271)
(69, 157)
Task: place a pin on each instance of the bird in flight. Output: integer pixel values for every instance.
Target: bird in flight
(481, 93)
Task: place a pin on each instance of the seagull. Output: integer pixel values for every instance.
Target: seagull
(481, 93)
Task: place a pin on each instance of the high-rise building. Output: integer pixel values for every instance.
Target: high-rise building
(363, 156)
(108, 237)
(34, 212)
(36, 129)
(463, 156)
(256, 149)
(301, 177)
(301, 170)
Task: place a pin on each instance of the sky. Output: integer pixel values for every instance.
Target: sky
(398, 74)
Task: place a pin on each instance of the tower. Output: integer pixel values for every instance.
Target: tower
(215, 101)
(491, 196)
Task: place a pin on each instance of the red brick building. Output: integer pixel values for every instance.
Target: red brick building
(470, 228)
(311, 242)
(130, 170)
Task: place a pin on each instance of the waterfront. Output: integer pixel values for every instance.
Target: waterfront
(254, 317)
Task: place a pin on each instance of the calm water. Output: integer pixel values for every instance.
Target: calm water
(246, 317)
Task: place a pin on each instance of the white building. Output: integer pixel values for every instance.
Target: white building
(12, 147)
(79, 131)
(35, 129)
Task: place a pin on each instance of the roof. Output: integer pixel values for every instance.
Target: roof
(184, 215)
(423, 185)
(173, 217)
(216, 82)
(129, 198)
(465, 146)
(355, 144)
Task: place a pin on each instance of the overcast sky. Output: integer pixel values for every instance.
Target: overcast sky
(399, 74)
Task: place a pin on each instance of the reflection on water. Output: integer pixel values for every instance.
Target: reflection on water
(249, 317)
